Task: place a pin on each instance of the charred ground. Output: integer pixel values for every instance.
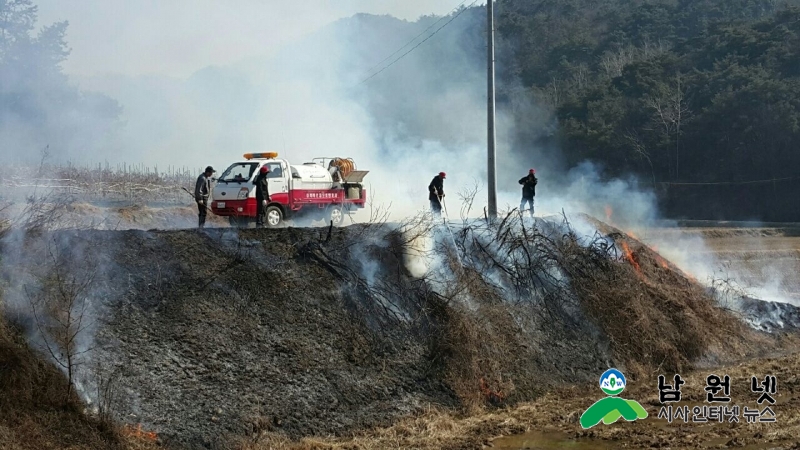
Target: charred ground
(217, 338)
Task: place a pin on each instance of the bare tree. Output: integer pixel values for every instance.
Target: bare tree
(651, 49)
(670, 108)
(551, 94)
(641, 149)
(467, 196)
(580, 76)
(60, 307)
(613, 62)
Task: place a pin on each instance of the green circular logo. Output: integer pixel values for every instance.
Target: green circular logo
(612, 382)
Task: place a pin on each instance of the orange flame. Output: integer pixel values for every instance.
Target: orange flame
(629, 256)
(609, 212)
(139, 434)
(490, 395)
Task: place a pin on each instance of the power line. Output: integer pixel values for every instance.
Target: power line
(416, 37)
(422, 42)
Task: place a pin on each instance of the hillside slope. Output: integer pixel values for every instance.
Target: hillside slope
(214, 337)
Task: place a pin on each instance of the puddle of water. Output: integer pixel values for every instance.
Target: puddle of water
(549, 441)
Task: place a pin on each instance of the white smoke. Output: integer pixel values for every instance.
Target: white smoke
(316, 96)
(55, 287)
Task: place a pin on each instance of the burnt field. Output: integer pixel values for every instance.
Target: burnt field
(228, 338)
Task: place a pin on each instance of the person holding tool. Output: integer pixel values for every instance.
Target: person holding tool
(202, 190)
(528, 190)
(436, 193)
(262, 195)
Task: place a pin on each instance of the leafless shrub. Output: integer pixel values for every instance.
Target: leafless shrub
(45, 207)
(541, 275)
(478, 279)
(495, 295)
(60, 305)
(378, 213)
(725, 289)
(42, 213)
(108, 392)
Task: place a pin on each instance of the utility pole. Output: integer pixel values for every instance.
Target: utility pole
(491, 109)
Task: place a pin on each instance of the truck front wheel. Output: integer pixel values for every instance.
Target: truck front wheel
(274, 216)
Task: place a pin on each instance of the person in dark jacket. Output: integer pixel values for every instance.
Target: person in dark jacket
(262, 194)
(202, 190)
(436, 193)
(528, 190)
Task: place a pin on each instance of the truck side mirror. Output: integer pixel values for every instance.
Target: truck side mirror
(296, 175)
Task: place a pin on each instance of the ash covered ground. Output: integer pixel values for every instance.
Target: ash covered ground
(214, 334)
(220, 337)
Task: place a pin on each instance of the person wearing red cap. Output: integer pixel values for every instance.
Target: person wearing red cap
(436, 193)
(262, 194)
(528, 190)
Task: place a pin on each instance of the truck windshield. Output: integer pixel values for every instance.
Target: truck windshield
(238, 172)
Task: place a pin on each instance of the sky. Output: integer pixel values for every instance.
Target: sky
(178, 37)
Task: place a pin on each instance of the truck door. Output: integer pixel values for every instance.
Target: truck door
(278, 178)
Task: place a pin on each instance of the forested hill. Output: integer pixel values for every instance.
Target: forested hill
(39, 106)
(701, 98)
(698, 98)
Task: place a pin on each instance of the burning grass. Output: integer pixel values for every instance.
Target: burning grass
(518, 299)
(655, 317)
(515, 301)
(659, 319)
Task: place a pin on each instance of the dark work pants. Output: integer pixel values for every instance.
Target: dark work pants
(261, 212)
(202, 207)
(436, 206)
(524, 201)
